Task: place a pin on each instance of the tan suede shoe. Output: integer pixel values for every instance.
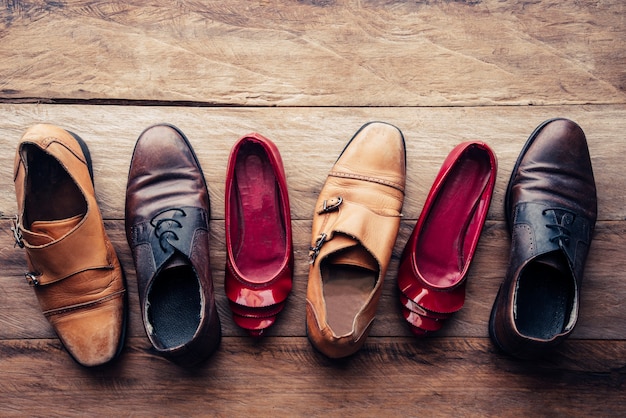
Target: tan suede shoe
(355, 224)
(74, 270)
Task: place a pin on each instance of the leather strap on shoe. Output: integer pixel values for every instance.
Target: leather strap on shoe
(75, 252)
(361, 225)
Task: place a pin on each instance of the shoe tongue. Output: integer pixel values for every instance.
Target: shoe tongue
(554, 261)
(177, 260)
(45, 232)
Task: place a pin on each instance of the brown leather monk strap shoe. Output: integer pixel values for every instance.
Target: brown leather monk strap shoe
(74, 270)
(355, 224)
(551, 210)
(167, 228)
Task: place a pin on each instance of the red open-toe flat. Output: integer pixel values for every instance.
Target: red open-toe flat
(259, 248)
(436, 258)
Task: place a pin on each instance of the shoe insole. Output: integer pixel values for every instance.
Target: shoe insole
(451, 226)
(259, 237)
(50, 193)
(174, 306)
(346, 289)
(544, 300)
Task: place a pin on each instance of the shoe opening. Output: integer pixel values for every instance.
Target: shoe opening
(174, 307)
(545, 297)
(349, 279)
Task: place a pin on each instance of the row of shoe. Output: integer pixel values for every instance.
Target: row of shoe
(75, 271)
(550, 207)
(78, 280)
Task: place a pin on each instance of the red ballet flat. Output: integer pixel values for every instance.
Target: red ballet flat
(437, 256)
(259, 262)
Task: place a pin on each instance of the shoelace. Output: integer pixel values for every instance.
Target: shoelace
(164, 227)
(562, 228)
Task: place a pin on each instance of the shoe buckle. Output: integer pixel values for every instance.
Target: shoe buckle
(315, 250)
(331, 205)
(17, 232)
(32, 279)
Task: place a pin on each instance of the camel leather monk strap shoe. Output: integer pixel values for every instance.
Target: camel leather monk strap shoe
(355, 224)
(167, 228)
(74, 269)
(551, 210)
(259, 248)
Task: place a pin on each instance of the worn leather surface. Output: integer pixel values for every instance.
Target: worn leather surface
(167, 213)
(551, 209)
(359, 208)
(77, 277)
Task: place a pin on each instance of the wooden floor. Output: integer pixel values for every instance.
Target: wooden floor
(308, 74)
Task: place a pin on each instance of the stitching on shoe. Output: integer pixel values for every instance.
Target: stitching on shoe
(84, 305)
(367, 178)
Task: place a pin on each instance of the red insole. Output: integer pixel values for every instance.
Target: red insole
(260, 250)
(452, 223)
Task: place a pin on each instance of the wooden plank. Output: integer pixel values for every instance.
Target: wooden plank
(602, 309)
(315, 53)
(286, 377)
(310, 140)
(308, 74)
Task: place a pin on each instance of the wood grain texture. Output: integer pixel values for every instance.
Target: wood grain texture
(435, 377)
(308, 74)
(310, 140)
(315, 53)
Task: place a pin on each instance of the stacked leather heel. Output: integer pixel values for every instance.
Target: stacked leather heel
(435, 261)
(259, 264)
